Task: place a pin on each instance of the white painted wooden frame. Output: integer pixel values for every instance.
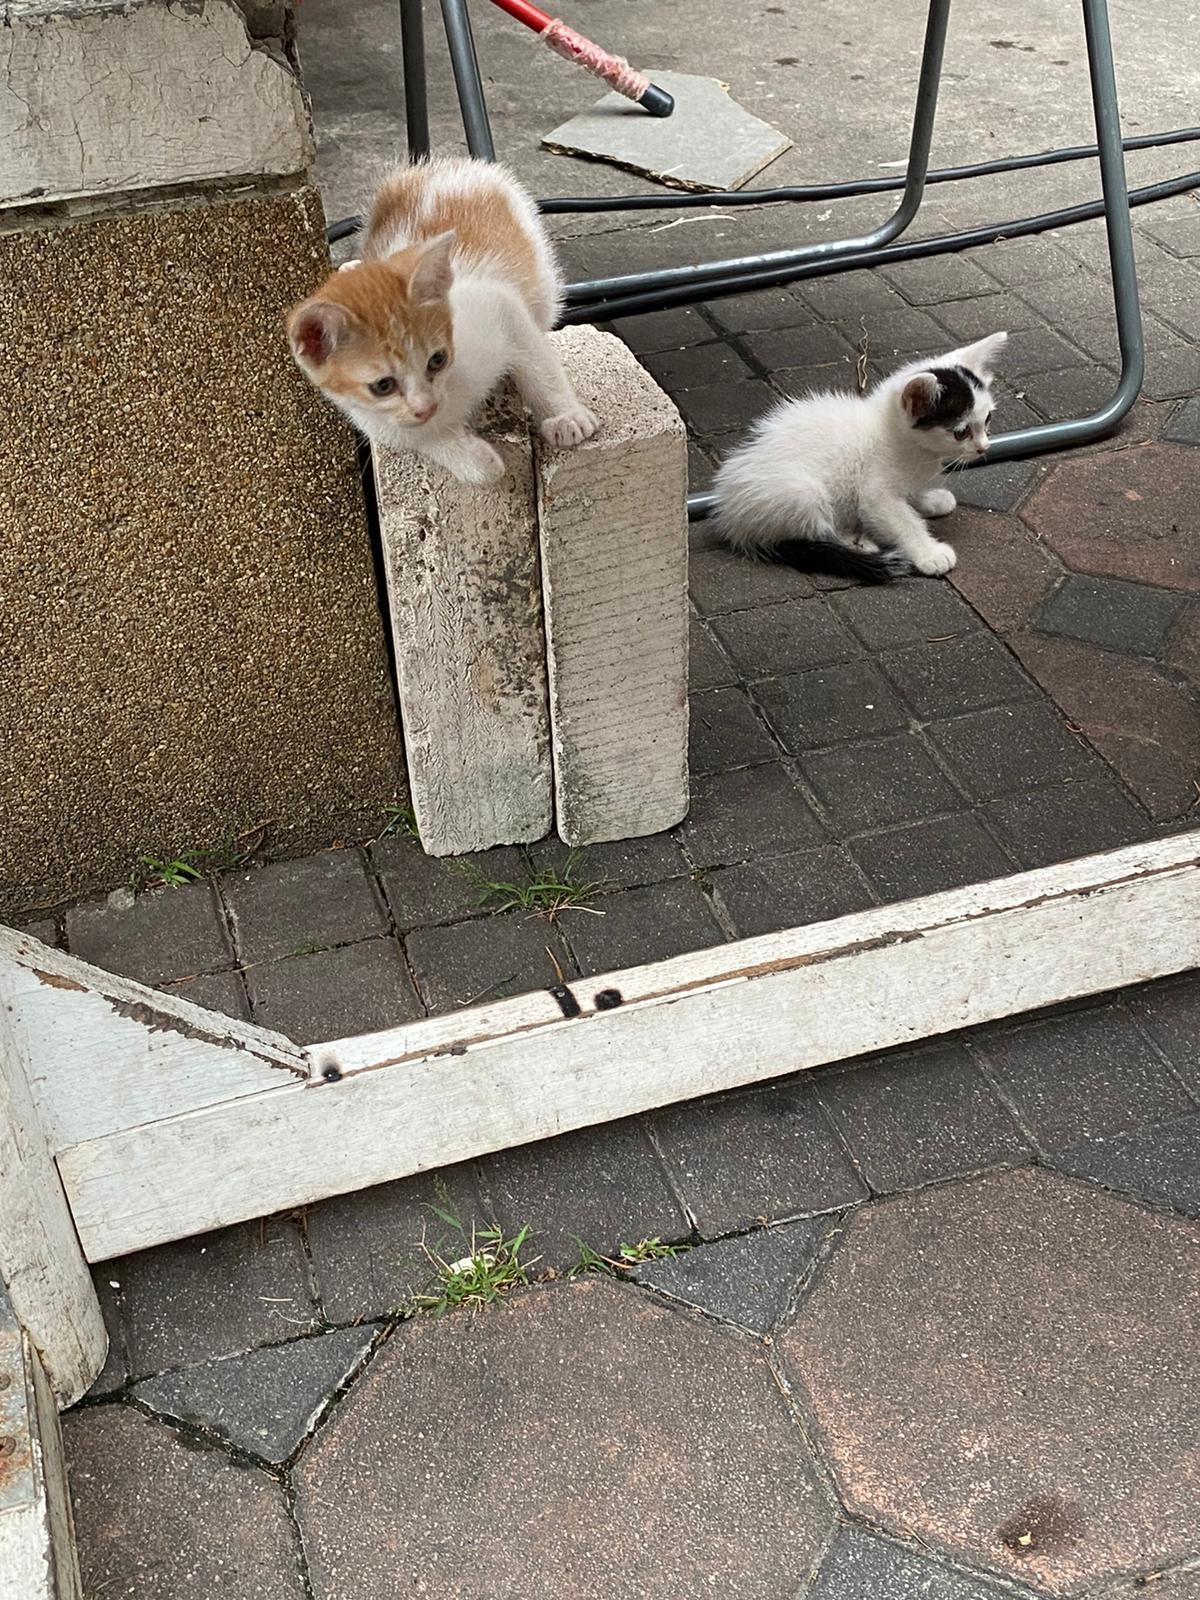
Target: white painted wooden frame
(129, 1117)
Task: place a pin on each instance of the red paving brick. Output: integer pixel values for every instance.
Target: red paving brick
(1003, 570)
(578, 1441)
(1009, 1370)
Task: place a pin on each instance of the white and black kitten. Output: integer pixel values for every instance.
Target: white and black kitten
(842, 482)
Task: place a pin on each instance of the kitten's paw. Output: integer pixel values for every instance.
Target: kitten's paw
(348, 266)
(481, 465)
(937, 502)
(569, 427)
(935, 558)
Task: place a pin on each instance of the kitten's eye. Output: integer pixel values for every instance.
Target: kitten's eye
(436, 361)
(962, 433)
(382, 386)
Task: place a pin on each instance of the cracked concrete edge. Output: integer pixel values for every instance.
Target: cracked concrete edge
(96, 100)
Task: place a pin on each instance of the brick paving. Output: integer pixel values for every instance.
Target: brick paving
(931, 1330)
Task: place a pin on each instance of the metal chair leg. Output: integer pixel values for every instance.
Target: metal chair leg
(467, 81)
(416, 103)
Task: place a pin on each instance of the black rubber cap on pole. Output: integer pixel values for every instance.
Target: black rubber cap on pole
(657, 102)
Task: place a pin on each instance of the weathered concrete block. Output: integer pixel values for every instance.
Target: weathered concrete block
(191, 638)
(102, 96)
(612, 517)
(462, 572)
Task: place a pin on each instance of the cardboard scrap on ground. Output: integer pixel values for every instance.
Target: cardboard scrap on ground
(708, 141)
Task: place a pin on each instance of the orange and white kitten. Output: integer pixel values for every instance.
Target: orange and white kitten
(457, 288)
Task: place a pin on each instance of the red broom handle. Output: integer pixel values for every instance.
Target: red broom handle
(614, 70)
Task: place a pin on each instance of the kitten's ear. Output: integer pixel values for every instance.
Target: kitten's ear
(316, 328)
(982, 356)
(434, 272)
(919, 397)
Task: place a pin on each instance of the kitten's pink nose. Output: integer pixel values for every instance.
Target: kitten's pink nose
(423, 413)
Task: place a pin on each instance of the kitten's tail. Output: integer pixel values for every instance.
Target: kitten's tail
(837, 558)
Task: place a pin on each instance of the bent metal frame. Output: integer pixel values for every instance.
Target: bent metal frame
(130, 1118)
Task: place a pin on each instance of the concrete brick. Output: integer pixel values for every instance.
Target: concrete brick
(152, 937)
(861, 1564)
(1066, 820)
(958, 675)
(999, 487)
(967, 320)
(814, 346)
(790, 891)
(664, 330)
(752, 811)
(210, 509)
(612, 523)
(619, 864)
(927, 857)
(850, 700)
(708, 665)
(1009, 748)
(422, 890)
(929, 283)
(224, 992)
(469, 642)
(721, 581)
(1005, 571)
(696, 366)
(783, 638)
(725, 733)
(720, 407)
(641, 925)
(748, 1281)
(332, 994)
(1170, 1012)
(915, 612)
(472, 962)
(873, 782)
(766, 308)
(1159, 1164)
(1073, 392)
(290, 906)
(1130, 617)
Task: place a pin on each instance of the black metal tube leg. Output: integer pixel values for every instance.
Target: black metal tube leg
(467, 81)
(416, 103)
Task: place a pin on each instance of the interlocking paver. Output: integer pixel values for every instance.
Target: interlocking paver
(468, 963)
(619, 864)
(216, 991)
(1000, 487)
(754, 811)
(720, 581)
(718, 407)
(696, 366)
(919, 1116)
(790, 891)
(748, 1281)
(332, 994)
(724, 732)
(213, 1295)
(967, 320)
(1084, 1076)
(850, 700)
(653, 1412)
(783, 638)
(925, 857)
(664, 330)
(1066, 820)
(158, 1519)
(302, 905)
(263, 1402)
(708, 665)
(1160, 1163)
(929, 283)
(600, 1187)
(1006, 1396)
(757, 1156)
(866, 1566)
(1170, 1013)
(425, 890)
(874, 782)
(816, 345)
(917, 611)
(1005, 571)
(1009, 748)
(640, 925)
(957, 675)
(1107, 612)
(1068, 392)
(152, 937)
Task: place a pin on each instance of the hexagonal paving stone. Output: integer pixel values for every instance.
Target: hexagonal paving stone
(579, 1441)
(158, 1517)
(1127, 513)
(1009, 1369)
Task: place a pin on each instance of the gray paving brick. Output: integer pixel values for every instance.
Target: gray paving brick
(601, 1187)
(919, 1117)
(751, 811)
(849, 295)
(1131, 617)
(790, 891)
(214, 1295)
(767, 308)
(216, 991)
(764, 1155)
(968, 320)
(895, 336)
(664, 330)
(700, 467)
(747, 1281)
(1172, 373)
(708, 665)
(851, 700)
(1082, 1076)
(640, 925)
(1009, 748)
(469, 963)
(1064, 821)
(46, 930)
(918, 611)
(1073, 392)
(1170, 1013)
(998, 487)
(115, 1371)
(697, 366)
(1179, 235)
(1098, 337)
(815, 345)
(719, 407)
(784, 638)
(796, 382)
(927, 857)
(302, 905)
(425, 890)
(929, 283)
(1018, 262)
(153, 937)
(369, 1248)
(1160, 1164)
(620, 864)
(1184, 424)
(878, 781)
(958, 675)
(726, 733)
(720, 581)
(1037, 349)
(866, 1566)
(331, 994)
(263, 1402)
(1072, 297)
